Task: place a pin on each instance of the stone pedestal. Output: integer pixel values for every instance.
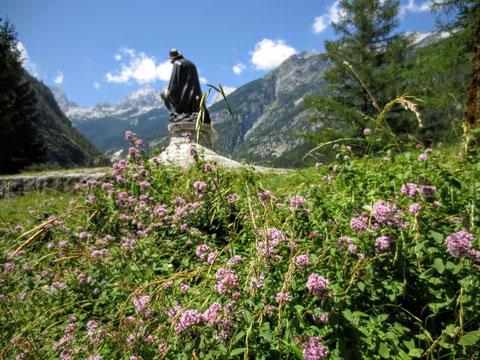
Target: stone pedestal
(180, 129)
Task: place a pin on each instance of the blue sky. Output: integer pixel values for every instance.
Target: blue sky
(101, 50)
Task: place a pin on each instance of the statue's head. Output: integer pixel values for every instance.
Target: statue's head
(174, 54)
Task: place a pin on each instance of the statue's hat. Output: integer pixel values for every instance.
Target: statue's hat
(174, 53)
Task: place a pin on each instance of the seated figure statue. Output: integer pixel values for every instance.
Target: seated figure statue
(184, 93)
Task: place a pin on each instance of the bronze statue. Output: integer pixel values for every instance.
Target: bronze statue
(184, 93)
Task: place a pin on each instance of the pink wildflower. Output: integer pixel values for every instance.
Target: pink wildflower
(414, 208)
(303, 261)
(297, 202)
(359, 224)
(283, 297)
(202, 251)
(187, 319)
(382, 243)
(314, 349)
(459, 243)
(409, 189)
(226, 280)
(200, 186)
(318, 285)
(428, 190)
(211, 315)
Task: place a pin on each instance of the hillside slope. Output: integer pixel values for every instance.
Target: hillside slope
(64, 145)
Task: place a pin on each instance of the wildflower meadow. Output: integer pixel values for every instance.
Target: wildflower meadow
(364, 258)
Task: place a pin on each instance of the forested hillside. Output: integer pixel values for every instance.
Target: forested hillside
(34, 131)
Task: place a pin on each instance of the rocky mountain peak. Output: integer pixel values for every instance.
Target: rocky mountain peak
(62, 99)
(146, 97)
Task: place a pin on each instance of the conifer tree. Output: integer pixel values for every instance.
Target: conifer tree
(465, 26)
(367, 49)
(19, 144)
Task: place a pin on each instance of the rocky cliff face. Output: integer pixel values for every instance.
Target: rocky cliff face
(270, 111)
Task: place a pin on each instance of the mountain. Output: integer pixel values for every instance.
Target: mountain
(218, 97)
(64, 146)
(270, 113)
(423, 40)
(141, 111)
(62, 100)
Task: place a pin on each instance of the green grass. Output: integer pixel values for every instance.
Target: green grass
(16, 211)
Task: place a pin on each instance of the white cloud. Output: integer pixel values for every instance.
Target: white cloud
(27, 63)
(238, 69)
(268, 54)
(139, 67)
(333, 15)
(59, 78)
(320, 24)
(412, 7)
(203, 80)
(96, 85)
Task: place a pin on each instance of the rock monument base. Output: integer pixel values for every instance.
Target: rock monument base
(183, 146)
(186, 132)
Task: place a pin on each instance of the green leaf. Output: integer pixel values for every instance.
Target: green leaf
(381, 317)
(415, 352)
(294, 348)
(439, 265)
(384, 351)
(237, 351)
(347, 314)
(470, 338)
(246, 315)
(267, 336)
(299, 308)
(436, 236)
(237, 337)
(361, 286)
(360, 314)
(222, 348)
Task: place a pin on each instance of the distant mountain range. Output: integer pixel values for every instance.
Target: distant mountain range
(64, 145)
(141, 111)
(269, 113)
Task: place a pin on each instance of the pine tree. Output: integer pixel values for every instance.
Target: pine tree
(465, 28)
(19, 144)
(368, 49)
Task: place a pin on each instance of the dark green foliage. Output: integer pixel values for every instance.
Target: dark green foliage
(368, 50)
(19, 143)
(458, 15)
(438, 75)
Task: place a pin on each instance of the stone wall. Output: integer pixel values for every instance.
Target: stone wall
(13, 186)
